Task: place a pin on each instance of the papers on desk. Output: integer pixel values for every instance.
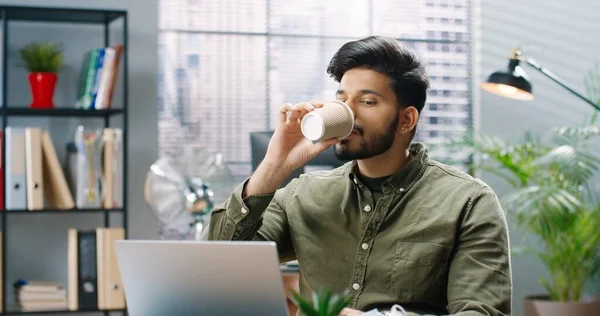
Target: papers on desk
(290, 267)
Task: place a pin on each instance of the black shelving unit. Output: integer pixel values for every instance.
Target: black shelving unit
(60, 112)
(81, 311)
(65, 212)
(102, 18)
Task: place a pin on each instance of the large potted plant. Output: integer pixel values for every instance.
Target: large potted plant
(43, 61)
(555, 199)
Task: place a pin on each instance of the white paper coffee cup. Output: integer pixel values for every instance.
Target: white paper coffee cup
(334, 120)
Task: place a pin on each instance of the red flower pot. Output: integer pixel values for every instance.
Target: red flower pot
(42, 89)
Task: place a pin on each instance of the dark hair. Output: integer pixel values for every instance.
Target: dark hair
(385, 55)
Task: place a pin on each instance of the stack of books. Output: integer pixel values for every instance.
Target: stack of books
(40, 296)
(97, 78)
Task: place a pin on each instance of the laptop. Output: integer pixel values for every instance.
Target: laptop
(210, 278)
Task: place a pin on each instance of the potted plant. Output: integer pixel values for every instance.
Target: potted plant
(43, 61)
(324, 303)
(556, 200)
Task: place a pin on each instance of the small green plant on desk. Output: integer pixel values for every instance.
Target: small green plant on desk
(324, 303)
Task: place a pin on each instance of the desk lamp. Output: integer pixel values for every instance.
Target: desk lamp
(513, 82)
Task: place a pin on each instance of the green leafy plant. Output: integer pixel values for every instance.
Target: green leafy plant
(554, 196)
(592, 87)
(42, 57)
(324, 303)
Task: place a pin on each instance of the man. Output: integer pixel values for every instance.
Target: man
(392, 226)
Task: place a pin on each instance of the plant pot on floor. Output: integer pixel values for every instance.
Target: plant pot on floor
(42, 86)
(543, 306)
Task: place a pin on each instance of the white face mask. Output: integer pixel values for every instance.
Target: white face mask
(396, 310)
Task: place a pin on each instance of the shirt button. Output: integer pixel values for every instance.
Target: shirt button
(354, 179)
(244, 210)
(356, 286)
(367, 208)
(401, 190)
(365, 246)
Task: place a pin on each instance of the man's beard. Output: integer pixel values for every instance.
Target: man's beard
(368, 148)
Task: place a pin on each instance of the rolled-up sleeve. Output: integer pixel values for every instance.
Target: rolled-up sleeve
(479, 280)
(255, 217)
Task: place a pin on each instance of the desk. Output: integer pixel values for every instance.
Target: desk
(291, 281)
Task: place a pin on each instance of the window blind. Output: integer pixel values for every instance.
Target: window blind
(225, 67)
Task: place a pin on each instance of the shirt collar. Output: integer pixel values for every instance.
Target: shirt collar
(406, 177)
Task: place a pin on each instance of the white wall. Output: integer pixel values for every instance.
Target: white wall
(37, 243)
(563, 36)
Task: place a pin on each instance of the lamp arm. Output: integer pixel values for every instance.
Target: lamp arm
(556, 79)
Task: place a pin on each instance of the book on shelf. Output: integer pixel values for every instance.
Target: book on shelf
(40, 295)
(97, 77)
(56, 188)
(36, 180)
(94, 281)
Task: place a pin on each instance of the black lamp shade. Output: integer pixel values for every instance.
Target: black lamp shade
(511, 83)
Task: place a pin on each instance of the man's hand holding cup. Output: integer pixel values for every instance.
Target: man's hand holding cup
(303, 131)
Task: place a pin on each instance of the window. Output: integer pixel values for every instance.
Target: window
(226, 66)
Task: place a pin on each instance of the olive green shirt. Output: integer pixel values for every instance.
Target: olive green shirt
(436, 241)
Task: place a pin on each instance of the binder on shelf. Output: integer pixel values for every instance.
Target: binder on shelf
(118, 162)
(112, 139)
(108, 168)
(94, 281)
(82, 273)
(110, 287)
(56, 189)
(33, 163)
(15, 193)
(72, 270)
(87, 285)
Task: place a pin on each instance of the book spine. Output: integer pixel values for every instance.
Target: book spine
(82, 79)
(114, 75)
(105, 77)
(86, 99)
(97, 78)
